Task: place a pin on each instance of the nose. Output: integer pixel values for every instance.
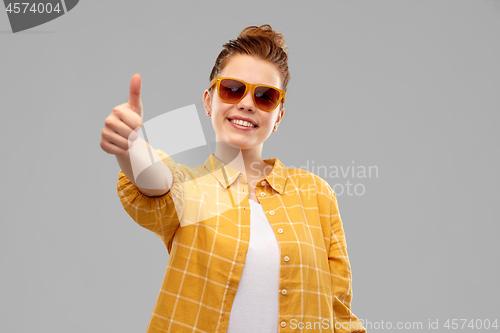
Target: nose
(246, 102)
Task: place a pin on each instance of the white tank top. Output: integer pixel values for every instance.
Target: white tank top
(255, 306)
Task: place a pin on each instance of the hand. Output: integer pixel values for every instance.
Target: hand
(123, 122)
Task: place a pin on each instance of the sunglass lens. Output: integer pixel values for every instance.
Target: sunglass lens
(231, 90)
(266, 98)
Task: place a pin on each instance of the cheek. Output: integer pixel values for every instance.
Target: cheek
(270, 120)
(219, 114)
(216, 105)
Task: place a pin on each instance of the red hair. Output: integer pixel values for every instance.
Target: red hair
(262, 42)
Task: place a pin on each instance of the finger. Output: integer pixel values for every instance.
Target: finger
(116, 139)
(111, 148)
(135, 101)
(124, 122)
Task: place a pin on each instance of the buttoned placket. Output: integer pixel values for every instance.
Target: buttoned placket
(262, 189)
(246, 208)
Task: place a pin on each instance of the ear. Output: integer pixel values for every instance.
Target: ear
(207, 101)
(280, 115)
(278, 120)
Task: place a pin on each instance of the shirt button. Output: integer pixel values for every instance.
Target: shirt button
(283, 323)
(280, 230)
(283, 292)
(262, 194)
(271, 212)
(263, 183)
(286, 258)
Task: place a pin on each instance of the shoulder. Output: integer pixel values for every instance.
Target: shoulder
(304, 178)
(299, 177)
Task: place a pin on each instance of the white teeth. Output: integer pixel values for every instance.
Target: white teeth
(242, 123)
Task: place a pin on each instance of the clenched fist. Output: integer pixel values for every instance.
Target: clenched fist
(120, 125)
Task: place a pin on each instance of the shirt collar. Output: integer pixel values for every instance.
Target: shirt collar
(226, 175)
(278, 176)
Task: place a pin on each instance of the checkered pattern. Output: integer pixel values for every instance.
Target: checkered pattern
(209, 242)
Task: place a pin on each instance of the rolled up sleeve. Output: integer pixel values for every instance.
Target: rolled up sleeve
(157, 214)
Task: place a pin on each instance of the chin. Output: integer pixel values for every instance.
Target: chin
(242, 145)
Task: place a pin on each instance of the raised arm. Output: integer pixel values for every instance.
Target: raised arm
(140, 163)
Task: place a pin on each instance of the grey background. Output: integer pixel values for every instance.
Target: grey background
(411, 87)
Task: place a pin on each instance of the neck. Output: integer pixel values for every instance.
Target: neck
(248, 161)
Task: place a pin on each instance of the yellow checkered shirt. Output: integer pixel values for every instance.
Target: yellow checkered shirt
(208, 245)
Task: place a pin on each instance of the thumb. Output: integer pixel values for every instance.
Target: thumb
(135, 101)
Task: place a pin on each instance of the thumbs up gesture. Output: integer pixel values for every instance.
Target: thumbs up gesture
(120, 125)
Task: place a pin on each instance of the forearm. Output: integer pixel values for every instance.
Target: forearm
(144, 168)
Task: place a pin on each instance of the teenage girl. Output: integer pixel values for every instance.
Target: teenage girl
(254, 246)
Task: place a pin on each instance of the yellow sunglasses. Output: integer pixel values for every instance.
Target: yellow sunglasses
(232, 90)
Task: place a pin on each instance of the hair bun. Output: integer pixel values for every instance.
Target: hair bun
(265, 31)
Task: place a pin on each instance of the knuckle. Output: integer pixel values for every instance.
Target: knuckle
(117, 111)
(108, 121)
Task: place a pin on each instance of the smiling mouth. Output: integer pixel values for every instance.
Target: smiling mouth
(242, 123)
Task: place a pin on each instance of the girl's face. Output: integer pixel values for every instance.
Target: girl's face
(252, 70)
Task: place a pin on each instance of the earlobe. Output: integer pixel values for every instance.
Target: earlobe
(207, 102)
